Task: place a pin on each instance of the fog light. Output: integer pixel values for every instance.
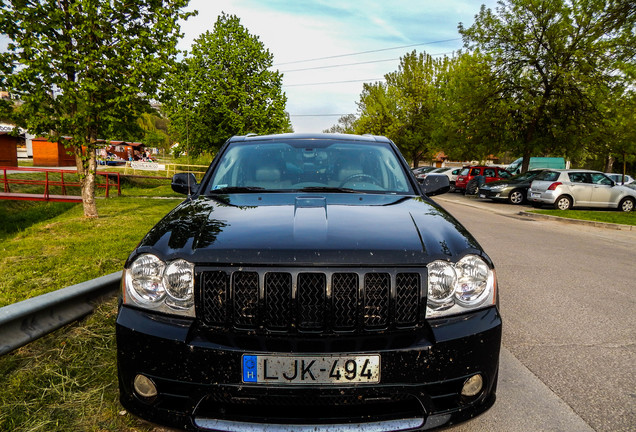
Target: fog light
(145, 387)
(472, 386)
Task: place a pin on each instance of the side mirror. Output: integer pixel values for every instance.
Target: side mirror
(435, 184)
(185, 183)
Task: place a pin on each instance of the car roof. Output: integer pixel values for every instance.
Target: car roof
(333, 136)
(574, 170)
(482, 166)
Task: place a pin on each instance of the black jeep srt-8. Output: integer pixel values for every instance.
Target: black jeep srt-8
(308, 283)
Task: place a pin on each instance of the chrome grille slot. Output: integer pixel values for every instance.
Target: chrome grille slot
(344, 288)
(377, 287)
(406, 298)
(215, 286)
(312, 300)
(278, 295)
(245, 289)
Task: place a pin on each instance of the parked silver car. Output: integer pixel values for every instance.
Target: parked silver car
(565, 189)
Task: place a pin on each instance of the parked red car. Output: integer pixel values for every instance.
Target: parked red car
(490, 173)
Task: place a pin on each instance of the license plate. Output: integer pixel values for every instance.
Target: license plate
(535, 195)
(308, 370)
(482, 195)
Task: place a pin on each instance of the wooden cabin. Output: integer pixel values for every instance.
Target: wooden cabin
(51, 154)
(8, 149)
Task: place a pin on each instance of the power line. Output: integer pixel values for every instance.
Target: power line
(334, 82)
(367, 52)
(353, 64)
(318, 115)
(338, 65)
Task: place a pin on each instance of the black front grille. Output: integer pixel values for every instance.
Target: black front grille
(311, 301)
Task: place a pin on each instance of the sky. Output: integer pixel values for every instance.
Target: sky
(327, 49)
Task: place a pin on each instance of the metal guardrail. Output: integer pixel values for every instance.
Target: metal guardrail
(25, 321)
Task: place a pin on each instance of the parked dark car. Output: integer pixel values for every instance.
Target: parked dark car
(308, 283)
(489, 174)
(513, 190)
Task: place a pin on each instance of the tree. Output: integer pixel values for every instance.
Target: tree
(552, 57)
(404, 108)
(377, 109)
(471, 122)
(155, 130)
(83, 68)
(224, 87)
(346, 124)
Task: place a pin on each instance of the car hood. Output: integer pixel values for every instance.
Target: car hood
(293, 229)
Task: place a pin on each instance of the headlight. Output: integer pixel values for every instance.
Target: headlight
(466, 285)
(166, 287)
(498, 187)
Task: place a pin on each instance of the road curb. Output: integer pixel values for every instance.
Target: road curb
(605, 225)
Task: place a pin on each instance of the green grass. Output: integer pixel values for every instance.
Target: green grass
(67, 381)
(46, 254)
(612, 216)
(139, 186)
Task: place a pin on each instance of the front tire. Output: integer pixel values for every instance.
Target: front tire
(516, 197)
(627, 204)
(563, 203)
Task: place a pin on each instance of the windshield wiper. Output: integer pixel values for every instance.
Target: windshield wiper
(237, 189)
(328, 189)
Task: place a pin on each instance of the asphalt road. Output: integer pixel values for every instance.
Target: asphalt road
(567, 296)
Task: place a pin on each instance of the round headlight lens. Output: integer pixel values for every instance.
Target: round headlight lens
(179, 280)
(146, 279)
(441, 281)
(472, 282)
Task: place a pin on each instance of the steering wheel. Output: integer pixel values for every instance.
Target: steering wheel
(366, 177)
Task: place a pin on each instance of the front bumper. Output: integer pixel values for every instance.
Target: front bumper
(494, 194)
(198, 376)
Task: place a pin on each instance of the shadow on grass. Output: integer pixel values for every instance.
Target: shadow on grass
(19, 215)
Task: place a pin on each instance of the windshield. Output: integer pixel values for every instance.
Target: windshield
(309, 165)
(548, 176)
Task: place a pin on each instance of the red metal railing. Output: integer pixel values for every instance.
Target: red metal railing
(7, 181)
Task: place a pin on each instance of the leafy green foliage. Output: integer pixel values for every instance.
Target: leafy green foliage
(472, 122)
(84, 68)
(556, 61)
(404, 109)
(224, 88)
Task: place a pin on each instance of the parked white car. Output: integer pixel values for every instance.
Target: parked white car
(618, 178)
(565, 189)
(450, 172)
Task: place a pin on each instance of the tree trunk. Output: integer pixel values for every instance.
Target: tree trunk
(525, 164)
(609, 164)
(86, 169)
